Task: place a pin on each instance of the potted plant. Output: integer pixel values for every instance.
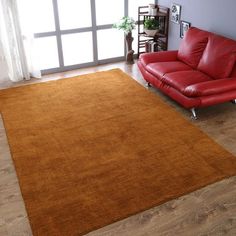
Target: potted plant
(127, 24)
(151, 26)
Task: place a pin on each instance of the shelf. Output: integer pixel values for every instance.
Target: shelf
(158, 14)
(158, 35)
(159, 42)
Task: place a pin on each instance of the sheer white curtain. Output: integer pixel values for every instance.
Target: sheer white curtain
(16, 56)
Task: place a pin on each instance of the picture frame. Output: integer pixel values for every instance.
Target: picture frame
(175, 13)
(184, 26)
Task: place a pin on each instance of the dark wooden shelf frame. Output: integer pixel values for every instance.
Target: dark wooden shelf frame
(161, 38)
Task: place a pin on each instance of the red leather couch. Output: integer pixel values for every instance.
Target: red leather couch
(201, 73)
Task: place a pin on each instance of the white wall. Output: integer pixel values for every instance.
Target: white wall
(217, 16)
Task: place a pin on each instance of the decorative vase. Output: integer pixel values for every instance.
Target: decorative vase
(129, 55)
(151, 33)
(152, 9)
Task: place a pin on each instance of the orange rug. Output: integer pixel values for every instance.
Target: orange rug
(97, 148)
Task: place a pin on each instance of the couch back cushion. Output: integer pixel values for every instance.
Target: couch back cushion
(219, 57)
(192, 46)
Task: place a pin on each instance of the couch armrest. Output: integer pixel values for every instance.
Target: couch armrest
(162, 56)
(211, 87)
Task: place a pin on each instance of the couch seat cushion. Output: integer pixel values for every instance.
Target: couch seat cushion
(211, 87)
(159, 69)
(182, 79)
(218, 58)
(192, 46)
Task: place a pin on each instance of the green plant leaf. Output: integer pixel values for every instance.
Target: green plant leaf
(127, 24)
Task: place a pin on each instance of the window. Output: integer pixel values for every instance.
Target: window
(106, 49)
(108, 11)
(77, 48)
(74, 14)
(70, 34)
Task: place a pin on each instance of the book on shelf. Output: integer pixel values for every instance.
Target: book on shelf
(151, 46)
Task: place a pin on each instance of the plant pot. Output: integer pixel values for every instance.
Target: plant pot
(151, 33)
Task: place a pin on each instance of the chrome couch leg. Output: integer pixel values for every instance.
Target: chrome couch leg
(194, 115)
(148, 85)
(233, 101)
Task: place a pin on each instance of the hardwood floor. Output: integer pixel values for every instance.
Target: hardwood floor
(208, 211)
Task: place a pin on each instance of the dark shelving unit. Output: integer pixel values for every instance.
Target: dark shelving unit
(159, 42)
